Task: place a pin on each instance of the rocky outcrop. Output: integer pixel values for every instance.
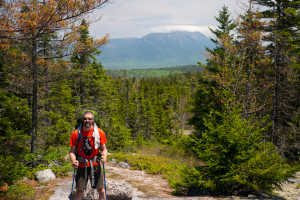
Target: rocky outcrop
(45, 175)
(115, 190)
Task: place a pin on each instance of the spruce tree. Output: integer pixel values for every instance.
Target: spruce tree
(85, 50)
(254, 63)
(234, 158)
(225, 27)
(206, 98)
(282, 37)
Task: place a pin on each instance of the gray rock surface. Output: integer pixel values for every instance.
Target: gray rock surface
(123, 165)
(45, 175)
(113, 161)
(63, 191)
(115, 189)
(159, 187)
(118, 190)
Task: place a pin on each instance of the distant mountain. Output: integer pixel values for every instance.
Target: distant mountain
(155, 50)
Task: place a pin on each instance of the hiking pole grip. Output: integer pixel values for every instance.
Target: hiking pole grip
(71, 195)
(104, 181)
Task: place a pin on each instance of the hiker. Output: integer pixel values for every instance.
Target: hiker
(85, 143)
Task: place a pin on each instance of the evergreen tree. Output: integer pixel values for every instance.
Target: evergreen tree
(206, 98)
(282, 36)
(147, 120)
(58, 120)
(225, 27)
(243, 76)
(101, 94)
(255, 64)
(235, 159)
(85, 50)
(14, 125)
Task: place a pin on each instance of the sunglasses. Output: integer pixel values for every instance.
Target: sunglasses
(87, 118)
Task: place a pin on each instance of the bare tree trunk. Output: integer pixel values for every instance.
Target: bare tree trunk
(34, 98)
(275, 107)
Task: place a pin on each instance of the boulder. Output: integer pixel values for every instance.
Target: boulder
(123, 165)
(45, 175)
(115, 190)
(118, 190)
(113, 161)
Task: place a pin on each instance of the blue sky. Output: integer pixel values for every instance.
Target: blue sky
(137, 18)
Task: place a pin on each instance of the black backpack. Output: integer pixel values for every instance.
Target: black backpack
(86, 144)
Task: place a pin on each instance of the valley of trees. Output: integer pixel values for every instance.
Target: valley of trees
(155, 72)
(242, 110)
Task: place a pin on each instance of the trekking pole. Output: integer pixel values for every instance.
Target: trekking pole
(104, 182)
(72, 185)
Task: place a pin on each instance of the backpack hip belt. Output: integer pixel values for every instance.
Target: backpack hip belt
(83, 159)
(90, 160)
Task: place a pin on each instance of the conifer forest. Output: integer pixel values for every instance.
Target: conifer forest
(236, 122)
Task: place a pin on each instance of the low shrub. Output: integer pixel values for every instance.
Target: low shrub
(168, 167)
(20, 192)
(10, 169)
(31, 171)
(63, 170)
(53, 158)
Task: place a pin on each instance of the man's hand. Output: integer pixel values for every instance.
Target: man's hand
(75, 164)
(103, 154)
(103, 159)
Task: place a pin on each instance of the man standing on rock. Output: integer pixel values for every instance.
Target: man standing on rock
(85, 143)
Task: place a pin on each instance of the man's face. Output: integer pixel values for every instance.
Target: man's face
(88, 120)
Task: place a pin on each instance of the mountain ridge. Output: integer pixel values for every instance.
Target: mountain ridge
(155, 50)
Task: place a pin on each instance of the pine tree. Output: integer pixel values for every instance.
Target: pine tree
(58, 120)
(225, 27)
(14, 125)
(85, 50)
(234, 158)
(254, 62)
(218, 61)
(282, 36)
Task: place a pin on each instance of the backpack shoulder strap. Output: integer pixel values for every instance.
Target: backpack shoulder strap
(79, 136)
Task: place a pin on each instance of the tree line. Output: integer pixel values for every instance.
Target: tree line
(243, 108)
(155, 72)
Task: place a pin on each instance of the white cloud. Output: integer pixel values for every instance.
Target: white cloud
(136, 18)
(192, 28)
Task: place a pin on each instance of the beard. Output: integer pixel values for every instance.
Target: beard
(87, 124)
